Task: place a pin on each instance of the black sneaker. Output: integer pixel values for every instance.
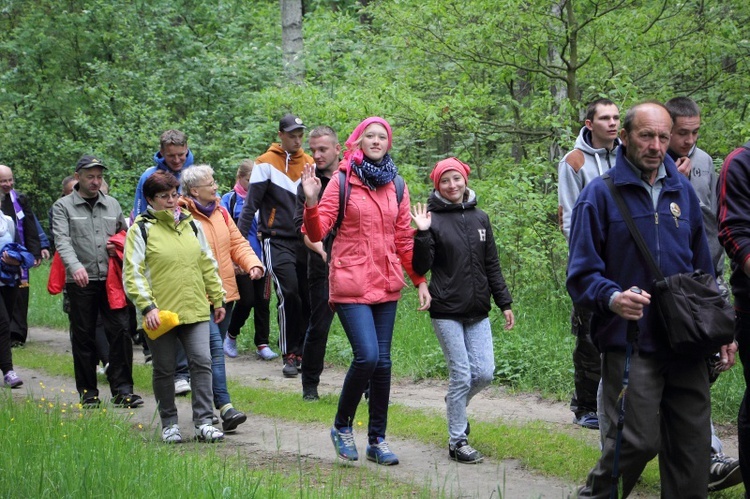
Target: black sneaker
(590, 420)
(232, 418)
(310, 393)
(127, 400)
(290, 368)
(465, 453)
(91, 403)
(723, 473)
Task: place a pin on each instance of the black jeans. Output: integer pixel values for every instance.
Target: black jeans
(587, 364)
(19, 327)
(321, 316)
(252, 296)
(85, 306)
(7, 298)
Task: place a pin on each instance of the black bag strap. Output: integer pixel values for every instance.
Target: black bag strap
(628, 218)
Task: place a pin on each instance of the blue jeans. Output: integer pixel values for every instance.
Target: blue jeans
(467, 347)
(216, 342)
(370, 331)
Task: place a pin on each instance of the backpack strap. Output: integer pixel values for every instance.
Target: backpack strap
(224, 213)
(399, 183)
(232, 203)
(148, 219)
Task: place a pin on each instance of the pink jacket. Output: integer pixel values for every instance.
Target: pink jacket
(374, 242)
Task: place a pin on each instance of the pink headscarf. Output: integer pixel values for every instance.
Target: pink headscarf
(357, 155)
(447, 165)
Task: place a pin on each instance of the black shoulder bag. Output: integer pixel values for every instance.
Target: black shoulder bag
(697, 319)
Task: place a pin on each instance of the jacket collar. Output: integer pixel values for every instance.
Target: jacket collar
(623, 174)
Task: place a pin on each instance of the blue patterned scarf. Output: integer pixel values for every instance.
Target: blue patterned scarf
(375, 174)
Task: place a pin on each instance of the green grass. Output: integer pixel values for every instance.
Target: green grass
(53, 449)
(534, 357)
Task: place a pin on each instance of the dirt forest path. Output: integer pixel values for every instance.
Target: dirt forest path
(420, 463)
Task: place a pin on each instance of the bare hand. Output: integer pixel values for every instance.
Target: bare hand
(317, 248)
(256, 273)
(81, 277)
(684, 166)
(111, 251)
(424, 297)
(422, 218)
(510, 319)
(45, 253)
(629, 305)
(152, 319)
(9, 259)
(310, 185)
(220, 313)
(727, 357)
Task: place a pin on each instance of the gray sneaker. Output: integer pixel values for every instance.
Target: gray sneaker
(290, 369)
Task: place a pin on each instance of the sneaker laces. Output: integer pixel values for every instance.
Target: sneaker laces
(208, 432)
(382, 447)
(346, 438)
(719, 461)
(465, 450)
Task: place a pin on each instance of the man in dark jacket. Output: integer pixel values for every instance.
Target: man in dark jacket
(325, 148)
(734, 234)
(606, 273)
(16, 207)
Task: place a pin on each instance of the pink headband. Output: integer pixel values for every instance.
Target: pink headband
(356, 155)
(447, 165)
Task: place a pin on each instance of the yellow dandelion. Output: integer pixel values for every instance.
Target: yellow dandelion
(140, 426)
(63, 411)
(61, 423)
(39, 406)
(12, 419)
(104, 410)
(43, 399)
(359, 423)
(80, 414)
(62, 390)
(50, 405)
(65, 436)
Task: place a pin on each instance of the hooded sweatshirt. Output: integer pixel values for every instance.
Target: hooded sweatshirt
(273, 192)
(703, 178)
(140, 204)
(577, 168)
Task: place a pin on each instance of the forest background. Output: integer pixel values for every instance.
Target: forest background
(500, 84)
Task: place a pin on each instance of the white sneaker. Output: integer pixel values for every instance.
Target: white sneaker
(209, 434)
(181, 387)
(264, 352)
(171, 434)
(102, 370)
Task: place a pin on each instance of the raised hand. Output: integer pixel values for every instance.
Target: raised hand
(422, 218)
(310, 185)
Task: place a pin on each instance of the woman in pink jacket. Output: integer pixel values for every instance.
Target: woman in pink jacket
(372, 245)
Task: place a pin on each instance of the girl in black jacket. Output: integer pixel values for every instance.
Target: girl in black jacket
(455, 241)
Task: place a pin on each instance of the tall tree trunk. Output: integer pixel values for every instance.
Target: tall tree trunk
(291, 40)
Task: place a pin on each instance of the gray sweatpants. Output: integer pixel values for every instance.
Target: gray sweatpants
(467, 347)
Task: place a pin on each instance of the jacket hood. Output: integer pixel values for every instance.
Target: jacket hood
(583, 142)
(162, 165)
(438, 203)
(285, 157)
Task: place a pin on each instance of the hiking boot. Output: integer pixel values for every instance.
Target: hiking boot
(290, 369)
(230, 347)
(181, 387)
(380, 453)
(127, 400)
(171, 434)
(264, 352)
(91, 403)
(208, 434)
(465, 453)
(343, 443)
(11, 379)
(589, 420)
(310, 393)
(723, 473)
(232, 418)
(298, 363)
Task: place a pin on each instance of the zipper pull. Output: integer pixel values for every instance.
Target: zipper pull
(656, 218)
(676, 222)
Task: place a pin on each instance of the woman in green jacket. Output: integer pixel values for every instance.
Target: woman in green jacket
(168, 266)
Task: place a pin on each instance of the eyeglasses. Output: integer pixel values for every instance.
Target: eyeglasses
(171, 195)
(212, 184)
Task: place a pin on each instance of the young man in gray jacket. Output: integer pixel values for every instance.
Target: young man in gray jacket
(594, 154)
